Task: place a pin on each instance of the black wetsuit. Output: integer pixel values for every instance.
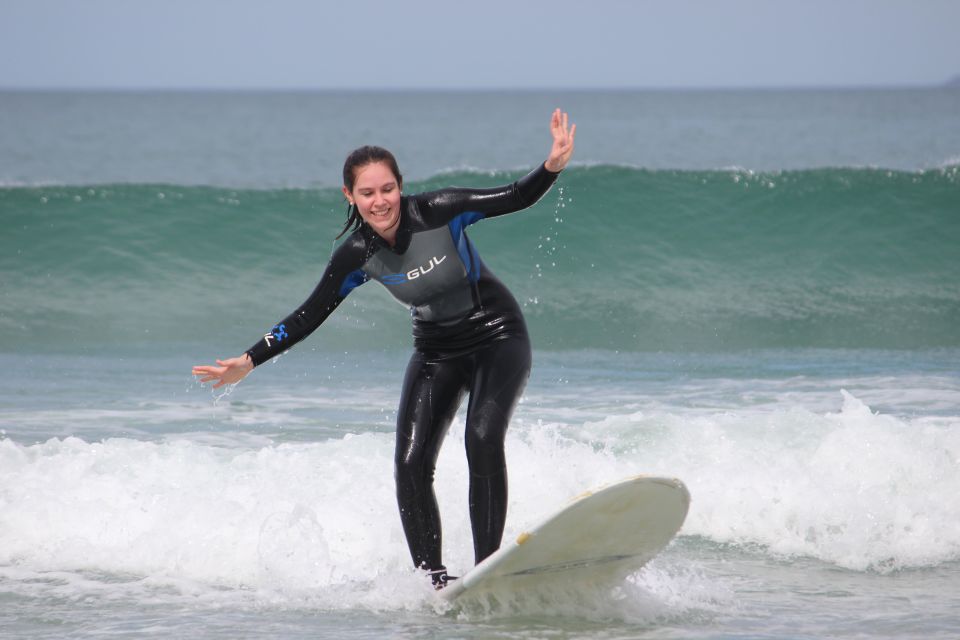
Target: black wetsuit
(469, 337)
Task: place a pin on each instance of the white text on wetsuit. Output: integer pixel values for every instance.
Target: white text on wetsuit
(419, 271)
(413, 274)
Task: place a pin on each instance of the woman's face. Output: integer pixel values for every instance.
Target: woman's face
(376, 192)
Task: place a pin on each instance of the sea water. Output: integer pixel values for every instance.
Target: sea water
(755, 292)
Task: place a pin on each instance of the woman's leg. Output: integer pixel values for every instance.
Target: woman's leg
(500, 374)
(432, 391)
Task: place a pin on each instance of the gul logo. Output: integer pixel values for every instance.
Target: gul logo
(413, 274)
(278, 333)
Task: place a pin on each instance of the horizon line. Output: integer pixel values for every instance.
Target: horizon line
(951, 84)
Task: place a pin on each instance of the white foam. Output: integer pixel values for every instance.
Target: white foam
(316, 523)
(201, 512)
(953, 162)
(861, 490)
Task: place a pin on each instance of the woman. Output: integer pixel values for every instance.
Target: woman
(469, 333)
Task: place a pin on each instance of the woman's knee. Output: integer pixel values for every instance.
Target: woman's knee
(485, 448)
(412, 467)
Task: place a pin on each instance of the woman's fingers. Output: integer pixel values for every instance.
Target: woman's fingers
(561, 129)
(568, 139)
(557, 127)
(563, 133)
(209, 373)
(202, 370)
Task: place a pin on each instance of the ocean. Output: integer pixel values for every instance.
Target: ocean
(757, 292)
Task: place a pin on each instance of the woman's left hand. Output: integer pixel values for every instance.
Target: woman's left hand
(562, 148)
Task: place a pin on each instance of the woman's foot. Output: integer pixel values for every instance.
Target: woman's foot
(440, 578)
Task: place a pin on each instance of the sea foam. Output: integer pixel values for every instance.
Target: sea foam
(854, 488)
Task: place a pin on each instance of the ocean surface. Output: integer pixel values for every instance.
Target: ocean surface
(757, 292)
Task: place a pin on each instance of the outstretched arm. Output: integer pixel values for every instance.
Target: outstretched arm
(341, 276)
(444, 205)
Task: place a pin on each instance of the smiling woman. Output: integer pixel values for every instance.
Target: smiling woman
(469, 333)
(372, 184)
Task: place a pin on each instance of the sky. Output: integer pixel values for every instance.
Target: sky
(508, 44)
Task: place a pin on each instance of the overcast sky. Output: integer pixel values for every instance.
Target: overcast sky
(379, 44)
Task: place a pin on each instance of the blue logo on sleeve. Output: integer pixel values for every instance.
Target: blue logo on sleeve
(278, 333)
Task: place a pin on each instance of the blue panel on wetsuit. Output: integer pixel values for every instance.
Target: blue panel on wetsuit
(353, 280)
(468, 255)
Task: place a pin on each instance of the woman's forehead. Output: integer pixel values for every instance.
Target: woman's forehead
(374, 174)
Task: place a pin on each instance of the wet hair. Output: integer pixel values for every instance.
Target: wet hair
(361, 157)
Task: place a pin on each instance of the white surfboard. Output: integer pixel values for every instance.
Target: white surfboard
(600, 535)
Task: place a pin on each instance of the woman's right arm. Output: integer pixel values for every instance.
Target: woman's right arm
(303, 321)
(342, 275)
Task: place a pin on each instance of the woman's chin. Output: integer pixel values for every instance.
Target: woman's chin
(385, 224)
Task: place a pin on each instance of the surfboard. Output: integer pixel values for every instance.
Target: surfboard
(598, 536)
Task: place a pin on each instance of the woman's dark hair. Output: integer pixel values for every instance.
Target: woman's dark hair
(361, 157)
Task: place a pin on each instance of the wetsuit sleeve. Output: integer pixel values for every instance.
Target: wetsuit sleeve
(440, 207)
(342, 275)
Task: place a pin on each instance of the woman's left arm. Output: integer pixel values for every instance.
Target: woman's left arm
(446, 204)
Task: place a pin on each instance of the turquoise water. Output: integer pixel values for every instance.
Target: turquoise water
(756, 292)
(661, 260)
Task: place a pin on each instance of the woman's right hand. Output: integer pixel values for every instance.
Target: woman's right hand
(229, 371)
